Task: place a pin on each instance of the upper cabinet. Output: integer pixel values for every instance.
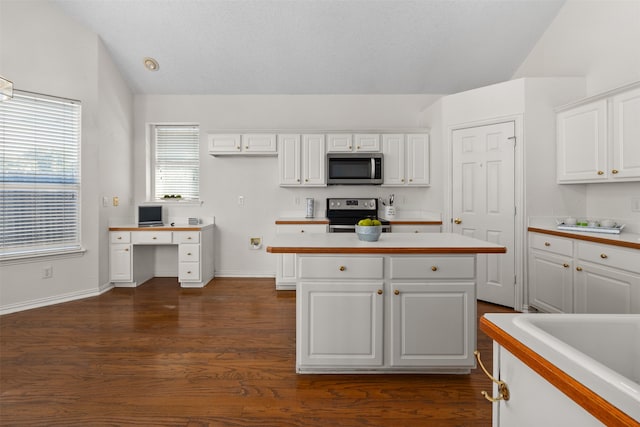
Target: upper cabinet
(302, 160)
(406, 159)
(247, 143)
(598, 138)
(347, 143)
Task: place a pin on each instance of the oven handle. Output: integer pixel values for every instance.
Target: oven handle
(353, 227)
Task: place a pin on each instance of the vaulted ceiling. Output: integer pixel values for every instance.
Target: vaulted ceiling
(315, 46)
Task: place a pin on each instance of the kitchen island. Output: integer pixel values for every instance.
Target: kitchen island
(405, 303)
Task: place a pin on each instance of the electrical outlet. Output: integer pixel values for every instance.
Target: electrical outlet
(47, 272)
(296, 200)
(255, 242)
(116, 201)
(241, 201)
(635, 204)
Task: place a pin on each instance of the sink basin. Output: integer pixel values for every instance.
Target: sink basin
(601, 351)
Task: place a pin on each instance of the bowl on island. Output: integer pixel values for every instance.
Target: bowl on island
(369, 233)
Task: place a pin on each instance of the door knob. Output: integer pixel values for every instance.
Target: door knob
(457, 221)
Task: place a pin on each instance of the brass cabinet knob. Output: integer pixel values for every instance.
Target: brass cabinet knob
(416, 231)
(302, 231)
(297, 179)
(396, 292)
(600, 173)
(246, 147)
(188, 272)
(119, 237)
(547, 244)
(603, 256)
(342, 268)
(357, 147)
(410, 179)
(565, 265)
(188, 253)
(126, 250)
(154, 237)
(614, 171)
(379, 291)
(402, 180)
(457, 221)
(578, 268)
(306, 180)
(434, 268)
(189, 238)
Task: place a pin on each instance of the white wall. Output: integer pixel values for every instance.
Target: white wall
(599, 40)
(44, 51)
(223, 179)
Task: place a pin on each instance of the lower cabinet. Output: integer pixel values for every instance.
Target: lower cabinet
(120, 262)
(286, 267)
(385, 313)
(416, 228)
(573, 276)
(533, 401)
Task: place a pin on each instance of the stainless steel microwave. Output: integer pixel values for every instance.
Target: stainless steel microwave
(354, 168)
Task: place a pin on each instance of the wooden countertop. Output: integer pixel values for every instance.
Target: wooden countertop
(389, 243)
(627, 240)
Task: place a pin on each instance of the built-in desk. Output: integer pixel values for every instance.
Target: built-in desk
(131, 254)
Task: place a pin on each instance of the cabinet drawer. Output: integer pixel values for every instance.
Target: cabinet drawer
(553, 244)
(333, 267)
(186, 237)
(151, 237)
(433, 267)
(301, 228)
(418, 228)
(120, 236)
(189, 271)
(188, 252)
(624, 259)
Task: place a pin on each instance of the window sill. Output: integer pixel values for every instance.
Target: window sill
(18, 258)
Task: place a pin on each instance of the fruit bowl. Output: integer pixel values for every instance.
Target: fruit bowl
(369, 233)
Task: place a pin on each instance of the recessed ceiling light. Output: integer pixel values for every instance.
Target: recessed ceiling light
(151, 64)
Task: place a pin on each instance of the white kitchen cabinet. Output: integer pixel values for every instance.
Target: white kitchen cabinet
(573, 276)
(242, 144)
(415, 228)
(551, 273)
(359, 142)
(533, 401)
(406, 159)
(301, 160)
(444, 312)
(286, 268)
(597, 138)
(343, 324)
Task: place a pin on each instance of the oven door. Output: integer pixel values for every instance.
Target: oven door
(354, 168)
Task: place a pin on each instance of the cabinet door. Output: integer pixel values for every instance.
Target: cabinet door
(417, 228)
(417, 159)
(393, 146)
(582, 143)
(626, 136)
(339, 142)
(313, 160)
(340, 324)
(224, 143)
(550, 282)
(433, 324)
(259, 143)
(367, 142)
(606, 290)
(289, 159)
(120, 263)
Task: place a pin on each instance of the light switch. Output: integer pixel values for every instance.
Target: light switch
(635, 204)
(105, 202)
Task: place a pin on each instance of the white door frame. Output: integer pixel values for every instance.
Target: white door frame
(519, 196)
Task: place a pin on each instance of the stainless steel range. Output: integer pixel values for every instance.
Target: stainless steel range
(343, 214)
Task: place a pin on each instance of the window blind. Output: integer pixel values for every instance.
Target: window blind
(177, 161)
(40, 174)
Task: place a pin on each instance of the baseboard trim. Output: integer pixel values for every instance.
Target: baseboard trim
(241, 274)
(52, 300)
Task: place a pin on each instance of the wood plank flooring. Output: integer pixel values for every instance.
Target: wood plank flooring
(219, 356)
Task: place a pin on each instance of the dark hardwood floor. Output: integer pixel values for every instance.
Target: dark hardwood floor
(223, 355)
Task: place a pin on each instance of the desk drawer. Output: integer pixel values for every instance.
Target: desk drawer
(186, 237)
(624, 259)
(189, 271)
(120, 236)
(433, 267)
(333, 267)
(553, 244)
(189, 252)
(151, 237)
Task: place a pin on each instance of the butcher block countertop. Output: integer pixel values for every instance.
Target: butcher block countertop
(389, 243)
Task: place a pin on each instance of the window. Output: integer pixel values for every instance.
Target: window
(176, 162)
(40, 175)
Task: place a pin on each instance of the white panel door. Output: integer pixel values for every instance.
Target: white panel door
(339, 142)
(483, 198)
(626, 135)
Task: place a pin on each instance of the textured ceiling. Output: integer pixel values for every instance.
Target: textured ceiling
(316, 46)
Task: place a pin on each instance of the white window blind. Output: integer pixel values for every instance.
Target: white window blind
(177, 161)
(40, 175)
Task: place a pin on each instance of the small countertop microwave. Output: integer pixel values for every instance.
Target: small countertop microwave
(354, 168)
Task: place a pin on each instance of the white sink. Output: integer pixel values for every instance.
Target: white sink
(601, 351)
